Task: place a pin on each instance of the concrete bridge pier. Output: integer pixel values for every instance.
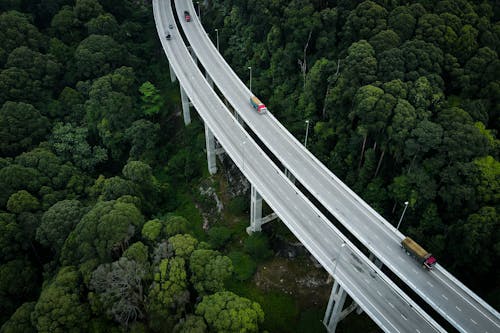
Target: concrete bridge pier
(255, 211)
(185, 107)
(211, 153)
(256, 219)
(334, 312)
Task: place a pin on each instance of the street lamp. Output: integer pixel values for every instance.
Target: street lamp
(307, 132)
(199, 11)
(217, 32)
(403, 214)
(250, 68)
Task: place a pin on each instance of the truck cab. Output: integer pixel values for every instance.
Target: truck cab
(187, 17)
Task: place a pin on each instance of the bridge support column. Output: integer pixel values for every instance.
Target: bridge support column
(210, 144)
(185, 107)
(334, 312)
(289, 175)
(173, 78)
(255, 211)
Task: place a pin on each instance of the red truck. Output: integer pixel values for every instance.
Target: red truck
(187, 17)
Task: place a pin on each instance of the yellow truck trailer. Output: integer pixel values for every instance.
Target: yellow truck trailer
(416, 251)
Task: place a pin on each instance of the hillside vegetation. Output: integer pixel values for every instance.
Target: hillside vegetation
(403, 99)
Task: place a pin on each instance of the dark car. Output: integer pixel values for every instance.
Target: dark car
(168, 36)
(187, 16)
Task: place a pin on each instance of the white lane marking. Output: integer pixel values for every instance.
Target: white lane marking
(430, 284)
(475, 322)
(404, 317)
(415, 271)
(486, 315)
(458, 308)
(446, 298)
(416, 329)
(392, 306)
(378, 292)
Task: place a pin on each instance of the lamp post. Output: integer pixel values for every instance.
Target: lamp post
(250, 68)
(403, 214)
(307, 132)
(217, 32)
(199, 11)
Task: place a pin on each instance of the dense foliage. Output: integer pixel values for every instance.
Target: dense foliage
(87, 242)
(403, 97)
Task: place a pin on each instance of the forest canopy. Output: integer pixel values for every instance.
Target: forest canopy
(404, 102)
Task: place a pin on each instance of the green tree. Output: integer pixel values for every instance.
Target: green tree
(365, 21)
(192, 324)
(402, 21)
(227, 312)
(209, 269)
(87, 9)
(70, 143)
(65, 26)
(20, 321)
(137, 252)
(22, 201)
(57, 223)
(21, 127)
(143, 136)
(244, 266)
(152, 101)
(109, 111)
(219, 236)
(58, 308)
(103, 232)
(42, 69)
(98, 55)
(152, 230)
(183, 245)
(104, 24)
(176, 225)
(169, 293)
(16, 30)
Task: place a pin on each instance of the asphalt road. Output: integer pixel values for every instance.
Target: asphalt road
(455, 302)
(352, 269)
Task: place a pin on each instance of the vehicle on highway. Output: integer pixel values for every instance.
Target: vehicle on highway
(171, 26)
(168, 36)
(416, 251)
(187, 16)
(258, 105)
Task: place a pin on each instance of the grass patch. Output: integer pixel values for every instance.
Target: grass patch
(311, 321)
(281, 310)
(188, 210)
